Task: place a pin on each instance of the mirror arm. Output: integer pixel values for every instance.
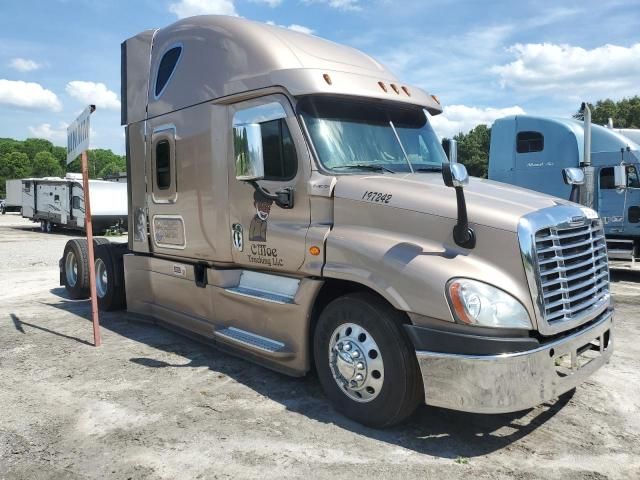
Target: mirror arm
(463, 235)
(574, 196)
(283, 198)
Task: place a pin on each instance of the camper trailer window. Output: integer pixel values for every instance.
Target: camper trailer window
(26, 187)
(163, 165)
(166, 68)
(75, 202)
(529, 142)
(279, 153)
(56, 198)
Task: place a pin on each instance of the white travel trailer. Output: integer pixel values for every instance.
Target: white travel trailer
(59, 202)
(13, 202)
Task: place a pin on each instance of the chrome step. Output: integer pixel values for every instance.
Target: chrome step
(251, 340)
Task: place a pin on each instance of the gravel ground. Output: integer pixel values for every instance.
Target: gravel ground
(150, 404)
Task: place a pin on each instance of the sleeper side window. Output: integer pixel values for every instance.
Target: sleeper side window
(529, 142)
(166, 68)
(607, 180)
(163, 164)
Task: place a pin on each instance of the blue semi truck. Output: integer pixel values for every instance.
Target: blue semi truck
(533, 151)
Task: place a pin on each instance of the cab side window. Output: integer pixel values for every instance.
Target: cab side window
(633, 180)
(279, 153)
(529, 142)
(278, 150)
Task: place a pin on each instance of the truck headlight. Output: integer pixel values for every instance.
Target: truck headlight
(477, 303)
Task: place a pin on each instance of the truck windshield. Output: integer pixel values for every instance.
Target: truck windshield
(354, 135)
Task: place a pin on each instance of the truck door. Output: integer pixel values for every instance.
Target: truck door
(610, 202)
(264, 235)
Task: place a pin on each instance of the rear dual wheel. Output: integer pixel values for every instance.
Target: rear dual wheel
(110, 277)
(365, 362)
(75, 266)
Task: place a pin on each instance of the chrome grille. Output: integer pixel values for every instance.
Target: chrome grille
(573, 270)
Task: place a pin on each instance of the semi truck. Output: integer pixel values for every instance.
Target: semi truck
(533, 151)
(290, 203)
(59, 203)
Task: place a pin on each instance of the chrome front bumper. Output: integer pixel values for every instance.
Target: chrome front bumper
(515, 381)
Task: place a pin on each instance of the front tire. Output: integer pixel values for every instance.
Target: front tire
(365, 362)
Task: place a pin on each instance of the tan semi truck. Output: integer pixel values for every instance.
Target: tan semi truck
(290, 203)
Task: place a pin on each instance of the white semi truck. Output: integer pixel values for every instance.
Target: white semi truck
(290, 203)
(59, 202)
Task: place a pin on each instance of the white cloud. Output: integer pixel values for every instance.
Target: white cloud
(45, 130)
(609, 70)
(294, 26)
(462, 118)
(189, 8)
(29, 95)
(270, 3)
(339, 4)
(24, 65)
(93, 93)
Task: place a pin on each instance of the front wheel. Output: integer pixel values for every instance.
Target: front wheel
(365, 362)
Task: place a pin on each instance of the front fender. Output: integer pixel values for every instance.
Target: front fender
(411, 272)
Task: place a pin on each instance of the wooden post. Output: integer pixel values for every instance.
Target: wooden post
(92, 266)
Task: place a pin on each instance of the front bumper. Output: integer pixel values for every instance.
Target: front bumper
(510, 382)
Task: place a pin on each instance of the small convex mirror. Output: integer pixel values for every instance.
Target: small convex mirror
(573, 176)
(454, 175)
(247, 145)
(620, 176)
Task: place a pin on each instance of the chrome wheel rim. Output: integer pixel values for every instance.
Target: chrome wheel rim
(356, 362)
(71, 269)
(101, 278)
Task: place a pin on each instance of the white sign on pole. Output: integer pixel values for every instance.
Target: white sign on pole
(78, 134)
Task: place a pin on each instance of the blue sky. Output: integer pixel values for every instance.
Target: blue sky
(483, 59)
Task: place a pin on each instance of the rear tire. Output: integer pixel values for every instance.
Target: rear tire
(381, 384)
(75, 271)
(109, 277)
(48, 226)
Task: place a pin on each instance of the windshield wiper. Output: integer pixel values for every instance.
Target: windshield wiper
(373, 168)
(434, 168)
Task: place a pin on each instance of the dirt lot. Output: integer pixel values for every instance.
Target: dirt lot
(151, 404)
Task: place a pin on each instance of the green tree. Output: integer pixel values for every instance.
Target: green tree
(110, 169)
(31, 146)
(625, 113)
(46, 165)
(473, 150)
(15, 165)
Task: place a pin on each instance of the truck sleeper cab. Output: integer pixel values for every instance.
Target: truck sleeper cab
(287, 203)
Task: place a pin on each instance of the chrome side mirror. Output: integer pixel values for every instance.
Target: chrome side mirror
(573, 176)
(247, 145)
(454, 175)
(450, 147)
(620, 176)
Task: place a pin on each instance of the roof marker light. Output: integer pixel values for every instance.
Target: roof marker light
(406, 90)
(327, 78)
(435, 99)
(395, 88)
(383, 87)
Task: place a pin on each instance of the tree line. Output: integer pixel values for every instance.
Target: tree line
(473, 147)
(37, 157)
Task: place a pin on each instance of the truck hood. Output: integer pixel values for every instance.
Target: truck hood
(489, 203)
